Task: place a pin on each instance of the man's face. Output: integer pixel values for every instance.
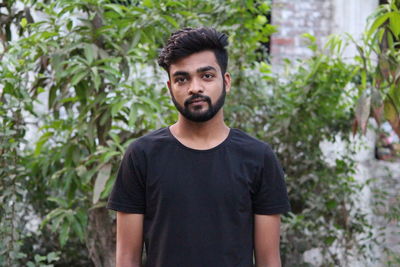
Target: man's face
(197, 86)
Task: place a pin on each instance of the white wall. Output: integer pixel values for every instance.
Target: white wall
(350, 16)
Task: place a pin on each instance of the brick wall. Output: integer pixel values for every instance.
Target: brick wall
(316, 17)
(293, 18)
(322, 18)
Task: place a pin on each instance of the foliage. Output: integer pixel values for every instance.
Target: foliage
(12, 171)
(93, 62)
(380, 88)
(83, 73)
(386, 207)
(308, 105)
(15, 103)
(326, 196)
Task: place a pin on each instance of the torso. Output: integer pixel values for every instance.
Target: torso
(199, 202)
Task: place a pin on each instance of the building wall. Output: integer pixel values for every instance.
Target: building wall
(351, 16)
(294, 18)
(320, 18)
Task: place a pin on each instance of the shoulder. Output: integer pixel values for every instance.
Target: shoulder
(247, 143)
(149, 141)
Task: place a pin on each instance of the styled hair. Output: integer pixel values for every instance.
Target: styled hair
(187, 41)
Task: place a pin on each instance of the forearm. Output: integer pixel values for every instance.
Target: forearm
(269, 262)
(129, 257)
(127, 261)
(129, 240)
(266, 241)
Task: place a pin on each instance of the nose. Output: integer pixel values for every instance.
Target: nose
(196, 86)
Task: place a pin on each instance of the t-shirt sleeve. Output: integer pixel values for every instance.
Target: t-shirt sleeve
(270, 192)
(128, 193)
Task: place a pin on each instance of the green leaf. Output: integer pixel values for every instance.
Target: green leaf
(78, 77)
(69, 25)
(312, 41)
(89, 51)
(378, 23)
(61, 202)
(133, 115)
(21, 255)
(77, 227)
(23, 22)
(52, 256)
(52, 95)
(56, 222)
(119, 9)
(53, 214)
(264, 7)
(148, 3)
(81, 215)
(39, 258)
(96, 78)
(42, 140)
(107, 156)
(101, 179)
(250, 4)
(329, 240)
(110, 70)
(395, 24)
(171, 20)
(150, 102)
(47, 35)
(115, 108)
(64, 233)
(81, 170)
(331, 204)
(261, 19)
(88, 176)
(136, 39)
(392, 114)
(105, 117)
(69, 99)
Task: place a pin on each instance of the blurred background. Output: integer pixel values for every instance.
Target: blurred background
(318, 80)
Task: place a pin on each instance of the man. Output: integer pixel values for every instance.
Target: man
(197, 192)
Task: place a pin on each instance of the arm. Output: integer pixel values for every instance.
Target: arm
(129, 239)
(266, 240)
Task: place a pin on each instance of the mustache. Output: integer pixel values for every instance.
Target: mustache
(195, 97)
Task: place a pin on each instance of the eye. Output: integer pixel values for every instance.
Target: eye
(208, 76)
(181, 80)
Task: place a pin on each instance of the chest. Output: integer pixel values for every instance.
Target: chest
(188, 182)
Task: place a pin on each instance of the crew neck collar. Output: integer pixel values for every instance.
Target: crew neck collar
(220, 145)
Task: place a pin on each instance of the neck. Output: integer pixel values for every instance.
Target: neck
(214, 128)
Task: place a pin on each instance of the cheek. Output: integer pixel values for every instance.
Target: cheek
(178, 95)
(217, 93)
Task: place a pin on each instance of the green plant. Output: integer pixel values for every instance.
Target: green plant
(44, 261)
(379, 90)
(295, 113)
(15, 105)
(86, 73)
(95, 64)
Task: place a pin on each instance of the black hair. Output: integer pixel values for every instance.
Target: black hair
(187, 41)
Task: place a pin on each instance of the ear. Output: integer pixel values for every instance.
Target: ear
(169, 85)
(227, 81)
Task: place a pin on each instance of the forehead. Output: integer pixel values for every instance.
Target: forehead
(195, 61)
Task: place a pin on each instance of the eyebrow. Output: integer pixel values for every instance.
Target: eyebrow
(204, 69)
(180, 73)
(199, 70)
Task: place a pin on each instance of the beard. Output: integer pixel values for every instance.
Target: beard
(199, 115)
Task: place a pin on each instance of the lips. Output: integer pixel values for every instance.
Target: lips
(199, 100)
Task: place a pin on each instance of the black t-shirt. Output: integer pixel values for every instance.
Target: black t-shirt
(199, 205)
